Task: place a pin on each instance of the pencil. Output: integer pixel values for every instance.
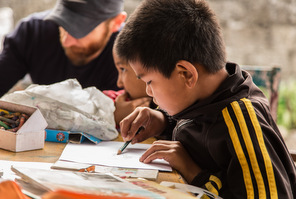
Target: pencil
(127, 142)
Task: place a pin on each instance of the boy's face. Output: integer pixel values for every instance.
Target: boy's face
(168, 94)
(128, 80)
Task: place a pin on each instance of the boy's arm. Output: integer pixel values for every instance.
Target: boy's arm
(256, 161)
(260, 165)
(262, 158)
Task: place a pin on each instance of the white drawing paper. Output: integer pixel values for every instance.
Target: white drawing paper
(105, 153)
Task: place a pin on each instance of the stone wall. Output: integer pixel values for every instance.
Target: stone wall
(258, 32)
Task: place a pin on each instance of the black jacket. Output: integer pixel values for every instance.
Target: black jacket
(233, 138)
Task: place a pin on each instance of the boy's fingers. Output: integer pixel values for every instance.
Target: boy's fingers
(143, 101)
(139, 102)
(156, 148)
(143, 135)
(122, 97)
(140, 117)
(136, 125)
(130, 125)
(125, 124)
(162, 154)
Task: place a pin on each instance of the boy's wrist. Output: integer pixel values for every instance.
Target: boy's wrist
(201, 178)
(192, 171)
(170, 124)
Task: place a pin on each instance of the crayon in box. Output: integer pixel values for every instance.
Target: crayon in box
(30, 135)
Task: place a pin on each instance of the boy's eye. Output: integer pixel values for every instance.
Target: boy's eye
(148, 82)
(122, 69)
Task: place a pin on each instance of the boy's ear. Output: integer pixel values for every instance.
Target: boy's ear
(187, 72)
(118, 20)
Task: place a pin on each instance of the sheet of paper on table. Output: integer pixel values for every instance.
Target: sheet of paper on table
(5, 165)
(105, 153)
(150, 174)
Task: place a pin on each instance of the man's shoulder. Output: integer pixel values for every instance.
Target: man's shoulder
(34, 25)
(36, 21)
(38, 16)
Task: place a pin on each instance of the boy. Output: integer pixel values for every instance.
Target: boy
(223, 136)
(133, 93)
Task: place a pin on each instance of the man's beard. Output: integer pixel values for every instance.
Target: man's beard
(83, 55)
(80, 56)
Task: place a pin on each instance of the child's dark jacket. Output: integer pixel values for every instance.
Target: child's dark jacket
(233, 138)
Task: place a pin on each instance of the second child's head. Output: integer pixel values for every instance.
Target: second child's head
(173, 45)
(127, 78)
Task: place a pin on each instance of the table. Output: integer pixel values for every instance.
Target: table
(52, 151)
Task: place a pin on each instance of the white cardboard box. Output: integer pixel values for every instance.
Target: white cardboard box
(30, 136)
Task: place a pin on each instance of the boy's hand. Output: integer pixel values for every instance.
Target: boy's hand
(175, 154)
(124, 108)
(153, 122)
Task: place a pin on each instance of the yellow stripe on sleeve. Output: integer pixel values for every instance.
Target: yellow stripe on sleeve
(250, 148)
(266, 157)
(217, 181)
(211, 188)
(240, 153)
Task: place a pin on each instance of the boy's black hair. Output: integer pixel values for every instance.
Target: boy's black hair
(161, 32)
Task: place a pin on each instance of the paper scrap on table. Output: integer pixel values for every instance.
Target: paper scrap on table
(105, 153)
(150, 174)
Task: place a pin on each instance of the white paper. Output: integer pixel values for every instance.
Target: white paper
(105, 153)
(150, 174)
(9, 175)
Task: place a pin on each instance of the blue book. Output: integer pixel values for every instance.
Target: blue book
(61, 136)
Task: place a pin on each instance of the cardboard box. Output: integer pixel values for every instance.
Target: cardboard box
(30, 136)
(77, 137)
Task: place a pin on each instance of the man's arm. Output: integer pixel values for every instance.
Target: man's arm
(12, 58)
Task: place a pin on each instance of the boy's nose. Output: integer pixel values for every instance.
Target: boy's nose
(119, 82)
(148, 91)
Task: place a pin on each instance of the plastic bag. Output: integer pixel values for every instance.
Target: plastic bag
(66, 106)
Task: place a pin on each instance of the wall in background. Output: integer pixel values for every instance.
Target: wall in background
(258, 32)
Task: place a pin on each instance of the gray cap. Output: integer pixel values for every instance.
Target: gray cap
(80, 17)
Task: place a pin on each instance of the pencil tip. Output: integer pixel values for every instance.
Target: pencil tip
(119, 152)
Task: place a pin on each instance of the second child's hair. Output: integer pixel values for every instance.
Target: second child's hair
(161, 32)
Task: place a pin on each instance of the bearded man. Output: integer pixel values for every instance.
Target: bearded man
(72, 40)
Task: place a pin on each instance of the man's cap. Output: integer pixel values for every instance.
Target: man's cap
(80, 17)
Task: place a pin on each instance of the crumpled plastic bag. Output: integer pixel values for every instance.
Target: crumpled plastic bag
(66, 106)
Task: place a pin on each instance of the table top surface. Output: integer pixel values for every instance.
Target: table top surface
(52, 151)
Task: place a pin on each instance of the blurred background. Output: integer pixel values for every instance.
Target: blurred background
(257, 33)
